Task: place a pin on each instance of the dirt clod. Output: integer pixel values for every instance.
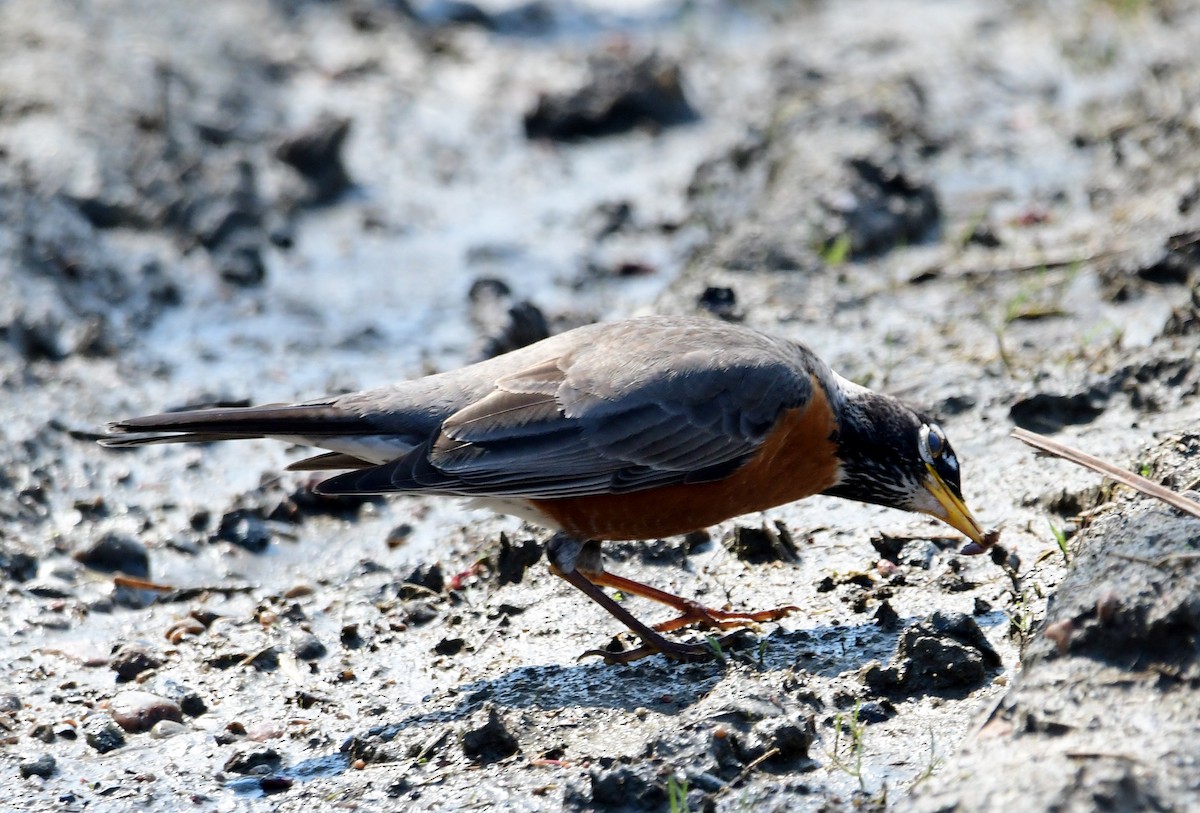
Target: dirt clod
(490, 741)
(621, 93)
(763, 544)
(949, 652)
(316, 153)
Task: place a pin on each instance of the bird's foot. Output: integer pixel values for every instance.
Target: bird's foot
(696, 613)
(712, 648)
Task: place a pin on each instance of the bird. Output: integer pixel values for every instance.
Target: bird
(636, 429)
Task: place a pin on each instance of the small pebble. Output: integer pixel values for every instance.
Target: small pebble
(165, 729)
(274, 783)
(139, 711)
(49, 588)
(298, 591)
(251, 759)
(183, 629)
(306, 646)
(189, 700)
(244, 530)
(264, 731)
(113, 553)
(130, 660)
(103, 734)
(41, 765)
(9, 702)
(1060, 632)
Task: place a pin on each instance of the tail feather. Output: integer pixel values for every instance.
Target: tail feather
(330, 461)
(128, 441)
(204, 425)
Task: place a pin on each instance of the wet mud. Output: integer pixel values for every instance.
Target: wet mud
(988, 210)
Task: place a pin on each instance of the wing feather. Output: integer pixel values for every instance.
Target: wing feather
(662, 402)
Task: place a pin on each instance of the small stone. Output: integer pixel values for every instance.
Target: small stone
(874, 711)
(49, 588)
(41, 765)
(113, 553)
(350, 636)
(253, 760)
(130, 660)
(420, 612)
(244, 530)
(274, 783)
(17, 565)
(103, 734)
(139, 711)
(398, 536)
(449, 646)
(165, 729)
(429, 577)
(306, 646)
(298, 591)
(9, 703)
(720, 302)
(189, 700)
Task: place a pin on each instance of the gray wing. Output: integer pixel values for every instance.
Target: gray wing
(660, 405)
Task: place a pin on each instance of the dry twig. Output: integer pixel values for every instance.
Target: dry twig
(1134, 481)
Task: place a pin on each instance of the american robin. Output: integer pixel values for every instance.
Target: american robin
(628, 430)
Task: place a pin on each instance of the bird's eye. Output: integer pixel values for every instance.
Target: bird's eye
(933, 443)
(936, 442)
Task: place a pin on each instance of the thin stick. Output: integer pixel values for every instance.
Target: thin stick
(1134, 481)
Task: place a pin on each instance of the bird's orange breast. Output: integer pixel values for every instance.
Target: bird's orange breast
(797, 459)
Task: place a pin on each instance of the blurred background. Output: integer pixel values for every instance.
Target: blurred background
(991, 209)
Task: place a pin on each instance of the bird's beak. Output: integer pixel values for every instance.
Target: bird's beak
(951, 510)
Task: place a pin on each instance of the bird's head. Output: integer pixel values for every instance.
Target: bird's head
(892, 455)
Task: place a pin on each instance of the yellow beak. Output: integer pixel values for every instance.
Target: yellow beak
(952, 510)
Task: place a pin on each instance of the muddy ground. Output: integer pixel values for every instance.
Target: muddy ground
(991, 210)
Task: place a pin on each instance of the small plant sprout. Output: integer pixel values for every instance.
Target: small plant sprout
(1061, 539)
(677, 790)
(847, 751)
(837, 251)
(935, 762)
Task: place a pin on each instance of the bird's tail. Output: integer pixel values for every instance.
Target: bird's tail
(233, 423)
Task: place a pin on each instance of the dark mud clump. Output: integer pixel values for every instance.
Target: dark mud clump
(947, 653)
(763, 544)
(622, 92)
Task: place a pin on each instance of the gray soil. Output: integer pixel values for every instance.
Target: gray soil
(991, 210)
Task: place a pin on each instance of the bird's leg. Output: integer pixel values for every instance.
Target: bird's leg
(691, 611)
(565, 553)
